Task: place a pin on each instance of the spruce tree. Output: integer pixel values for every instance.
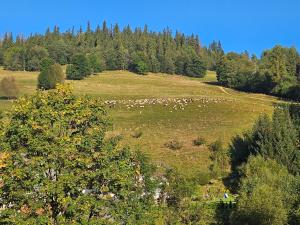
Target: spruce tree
(79, 69)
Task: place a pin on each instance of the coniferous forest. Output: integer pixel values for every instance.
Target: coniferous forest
(141, 51)
(104, 48)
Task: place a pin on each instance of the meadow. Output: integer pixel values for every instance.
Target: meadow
(150, 111)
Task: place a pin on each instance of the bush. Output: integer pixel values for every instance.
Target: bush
(9, 87)
(220, 159)
(203, 178)
(266, 191)
(174, 145)
(137, 134)
(199, 141)
(49, 78)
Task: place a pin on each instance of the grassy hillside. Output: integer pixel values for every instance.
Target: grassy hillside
(165, 107)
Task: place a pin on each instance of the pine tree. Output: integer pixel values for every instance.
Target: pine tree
(195, 68)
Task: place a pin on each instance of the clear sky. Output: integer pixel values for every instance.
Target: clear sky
(251, 25)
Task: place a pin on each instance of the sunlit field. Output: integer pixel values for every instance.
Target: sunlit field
(149, 111)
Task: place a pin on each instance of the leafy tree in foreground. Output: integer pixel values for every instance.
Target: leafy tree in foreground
(267, 194)
(61, 170)
(50, 77)
(9, 87)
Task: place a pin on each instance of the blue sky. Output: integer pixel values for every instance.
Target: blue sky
(251, 25)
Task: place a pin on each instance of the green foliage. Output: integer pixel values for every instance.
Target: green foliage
(187, 63)
(35, 54)
(45, 64)
(220, 159)
(177, 188)
(96, 63)
(14, 58)
(138, 64)
(280, 63)
(234, 70)
(9, 88)
(266, 195)
(275, 72)
(203, 177)
(199, 141)
(60, 50)
(61, 169)
(275, 139)
(79, 69)
(141, 51)
(195, 68)
(51, 76)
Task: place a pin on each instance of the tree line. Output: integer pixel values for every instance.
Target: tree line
(277, 72)
(110, 48)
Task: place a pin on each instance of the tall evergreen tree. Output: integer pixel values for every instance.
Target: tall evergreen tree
(79, 69)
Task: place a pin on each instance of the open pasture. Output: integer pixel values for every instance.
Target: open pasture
(164, 107)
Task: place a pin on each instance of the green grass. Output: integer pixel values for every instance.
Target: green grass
(215, 112)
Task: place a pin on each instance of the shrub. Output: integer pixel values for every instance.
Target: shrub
(203, 178)
(216, 146)
(9, 87)
(174, 145)
(220, 159)
(137, 134)
(49, 78)
(199, 141)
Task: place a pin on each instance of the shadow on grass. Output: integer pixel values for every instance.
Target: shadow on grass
(7, 98)
(215, 83)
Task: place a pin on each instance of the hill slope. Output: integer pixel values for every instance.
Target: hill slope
(165, 107)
